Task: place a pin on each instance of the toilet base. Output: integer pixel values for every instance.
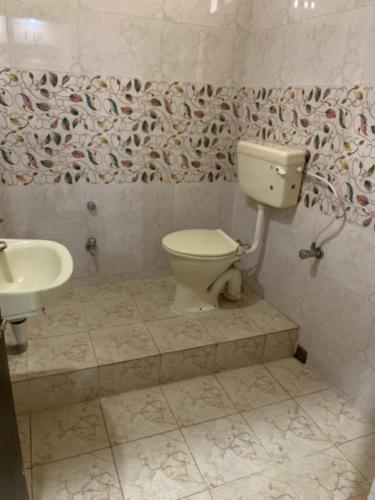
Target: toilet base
(187, 301)
(192, 301)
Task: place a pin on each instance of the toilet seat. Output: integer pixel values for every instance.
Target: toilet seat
(200, 243)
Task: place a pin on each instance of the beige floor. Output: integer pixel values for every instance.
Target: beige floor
(269, 431)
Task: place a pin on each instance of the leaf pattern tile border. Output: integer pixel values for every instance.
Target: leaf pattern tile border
(58, 127)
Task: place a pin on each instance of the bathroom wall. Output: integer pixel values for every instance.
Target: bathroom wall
(312, 75)
(134, 105)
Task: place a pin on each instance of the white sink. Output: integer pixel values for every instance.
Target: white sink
(33, 274)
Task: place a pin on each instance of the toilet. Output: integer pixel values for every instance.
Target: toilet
(203, 260)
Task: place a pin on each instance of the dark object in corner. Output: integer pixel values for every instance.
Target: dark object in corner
(301, 354)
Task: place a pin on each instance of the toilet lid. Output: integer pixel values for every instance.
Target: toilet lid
(200, 243)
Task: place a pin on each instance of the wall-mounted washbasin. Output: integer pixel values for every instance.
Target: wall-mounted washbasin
(33, 275)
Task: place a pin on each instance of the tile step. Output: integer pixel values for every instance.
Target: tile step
(72, 386)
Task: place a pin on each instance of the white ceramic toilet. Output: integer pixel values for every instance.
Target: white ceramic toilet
(202, 260)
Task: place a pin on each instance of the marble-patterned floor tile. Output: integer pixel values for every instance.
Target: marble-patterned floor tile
(159, 467)
(23, 422)
(286, 431)
(326, 475)
(122, 343)
(60, 354)
(230, 324)
(196, 400)
(67, 431)
(181, 365)
(280, 345)
(252, 387)
(336, 417)
(29, 483)
(175, 334)
(103, 291)
(17, 363)
(203, 495)
(295, 377)
(153, 285)
(155, 305)
(361, 453)
(265, 485)
(86, 477)
(129, 375)
(113, 312)
(64, 318)
(268, 318)
(239, 353)
(137, 414)
(55, 390)
(225, 449)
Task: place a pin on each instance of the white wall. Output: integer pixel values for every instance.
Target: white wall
(334, 301)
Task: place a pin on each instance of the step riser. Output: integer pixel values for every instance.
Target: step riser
(82, 385)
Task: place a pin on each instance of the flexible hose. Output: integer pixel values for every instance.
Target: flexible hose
(339, 203)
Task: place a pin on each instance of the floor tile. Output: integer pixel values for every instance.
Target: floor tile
(113, 312)
(225, 449)
(155, 305)
(29, 485)
(230, 324)
(123, 343)
(280, 345)
(159, 467)
(203, 495)
(175, 334)
(286, 431)
(265, 485)
(23, 422)
(67, 431)
(64, 318)
(18, 366)
(239, 353)
(129, 375)
(324, 475)
(268, 318)
(295, 377)
(137, 414)
(181, 365)
(86, 477)
(154, 285)
(336, 417)
(55, 390)
(252, 387)
(103, 291)
(197, 400)
(60, 354)
(361, 453)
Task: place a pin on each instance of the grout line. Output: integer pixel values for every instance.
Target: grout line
(110, 446)
(185, 441)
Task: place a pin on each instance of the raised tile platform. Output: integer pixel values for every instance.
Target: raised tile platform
(120, 336)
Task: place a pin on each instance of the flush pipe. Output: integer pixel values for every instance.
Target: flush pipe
(259, 231)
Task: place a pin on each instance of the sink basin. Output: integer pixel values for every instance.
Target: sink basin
(33, 274)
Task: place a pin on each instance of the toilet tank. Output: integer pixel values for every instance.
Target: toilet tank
(270, 173)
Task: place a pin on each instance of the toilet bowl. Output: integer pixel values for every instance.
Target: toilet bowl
(202, 262)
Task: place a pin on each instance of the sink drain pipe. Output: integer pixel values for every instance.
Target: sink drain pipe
(19, 329)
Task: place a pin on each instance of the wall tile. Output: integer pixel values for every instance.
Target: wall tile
(204, 205)
(152, 9)
(234, 14)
